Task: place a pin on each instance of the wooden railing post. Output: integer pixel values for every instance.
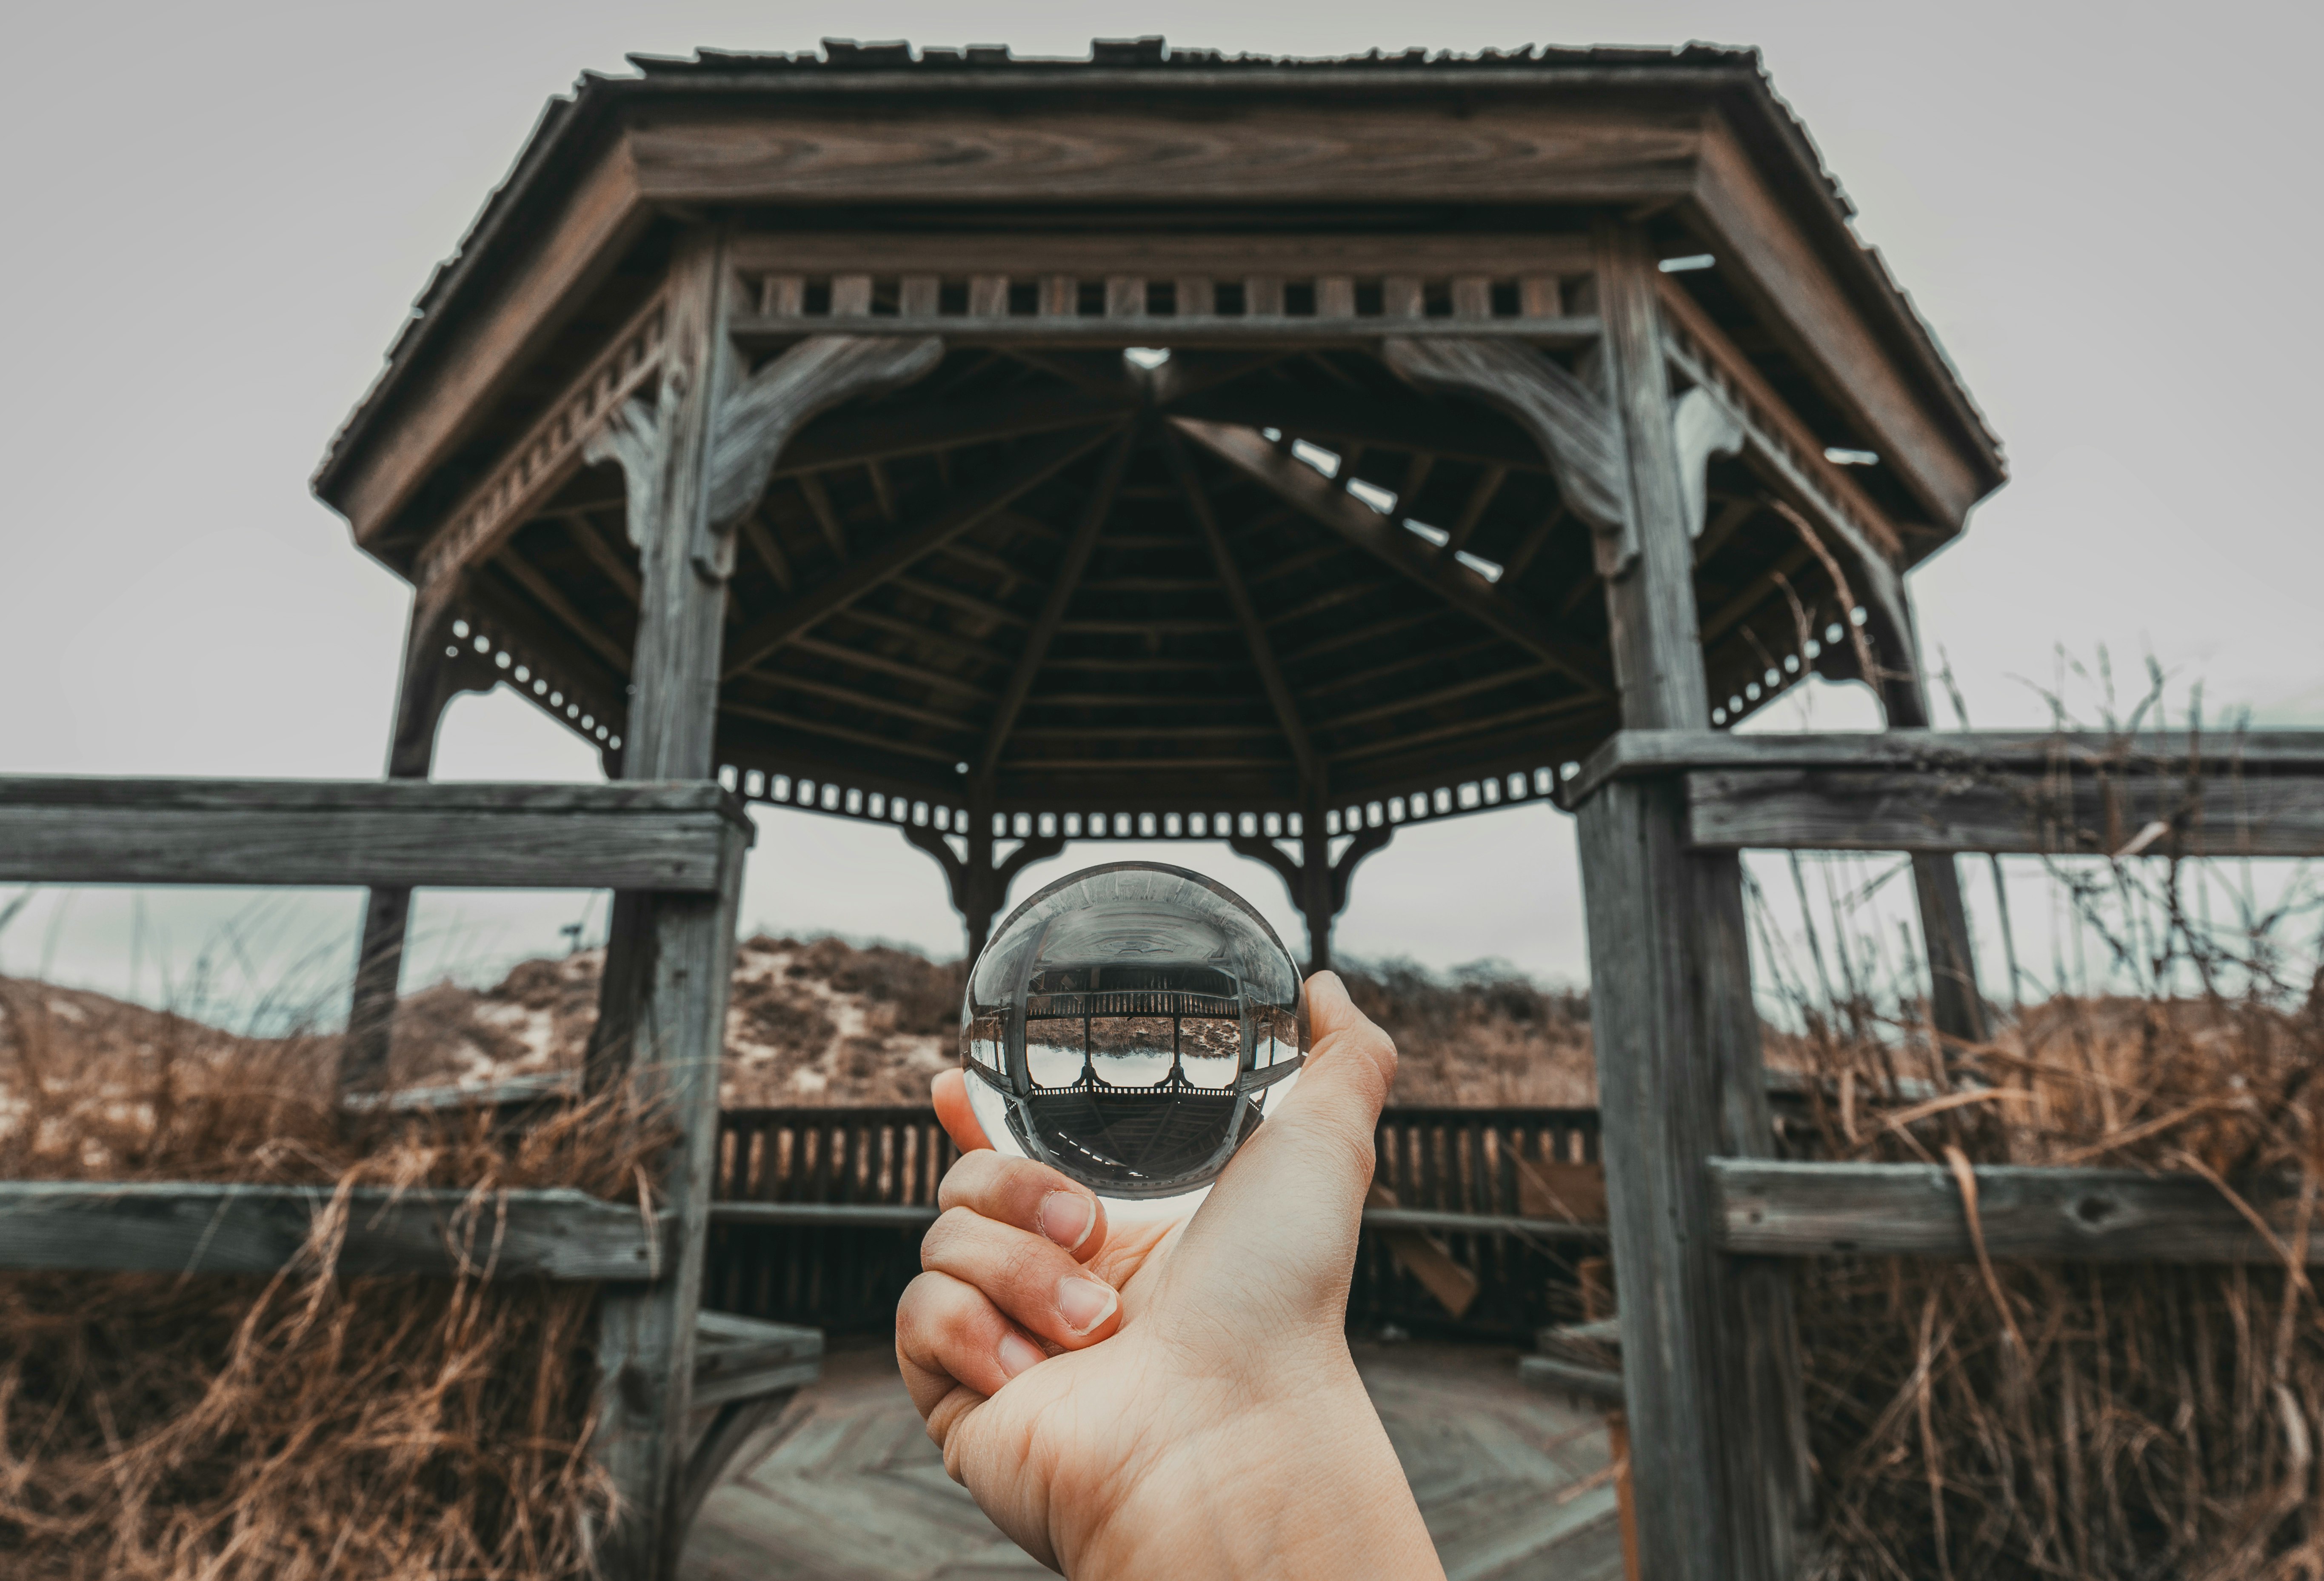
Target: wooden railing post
(430, 679)
(1710, 1347)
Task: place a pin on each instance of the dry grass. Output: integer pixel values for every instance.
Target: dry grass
(306, 1425)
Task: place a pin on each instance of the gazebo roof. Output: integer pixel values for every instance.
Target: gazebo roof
(1093, 580)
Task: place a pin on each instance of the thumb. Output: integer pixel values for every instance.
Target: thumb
(1303, 1174)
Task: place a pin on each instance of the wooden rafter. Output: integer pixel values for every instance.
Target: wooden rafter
(1095, 509)
(853, 696)
(1354, 679)
(1358, 636)
(551, 599)
(818, 503)
(592, 543)
(1329, 599)
(969, 602)
(1480, 500)
(957, 516)
(920, 632)
(1521, 557)
(865, 660)
(1254, 632)
(839, 732)
(761, 539)
(860, 439)
(1532, 713)
(1442, 695)
(1300, 485)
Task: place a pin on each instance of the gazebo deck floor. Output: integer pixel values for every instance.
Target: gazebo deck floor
(1512, 1482)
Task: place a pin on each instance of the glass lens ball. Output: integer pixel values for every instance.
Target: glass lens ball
(1132, 1025)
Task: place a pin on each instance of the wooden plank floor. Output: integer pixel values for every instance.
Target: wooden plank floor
(1512, 1483)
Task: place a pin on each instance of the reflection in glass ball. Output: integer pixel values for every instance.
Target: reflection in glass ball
(1130, 1026)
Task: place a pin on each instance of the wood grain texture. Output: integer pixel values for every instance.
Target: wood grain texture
(1718, 1444)
(1303, 333)
(380, 847)
(1650, 594)
(1225, 153)
(1303, 487)
(663, 1017)
(1840, 809)
(1161, 255)
(1567, 418)
(1939, 453)
(1774, 1209)
(2226, 760)
(896, 554)
(758, 417)
(115, 1227)
(542, 275)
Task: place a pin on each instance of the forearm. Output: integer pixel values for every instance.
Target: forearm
(1307, 1488)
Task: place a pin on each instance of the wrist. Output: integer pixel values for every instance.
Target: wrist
(1303, 1483)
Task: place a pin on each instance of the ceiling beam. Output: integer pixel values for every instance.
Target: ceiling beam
(553, 600)
(946, 641)
(818, 502)
(1297, 484)
(887, 666)
(1533, 713)
(906, 546)
(824, 727)
(1262, 651)
(872, 701)
(1076, 560)
(591, 542)
(859, 439)
(1351, 680)
(1442, 694)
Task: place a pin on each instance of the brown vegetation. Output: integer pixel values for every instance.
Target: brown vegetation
(302, 1425)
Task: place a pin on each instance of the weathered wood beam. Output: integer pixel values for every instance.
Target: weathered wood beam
(186, 1228)
(843, 439)
(1480, 500)
(908, 544)
(1942, 813)
(959, 647)
(757, 415)
(361, 833)
(863, 659)
(853, 698)
(547, 456)
(1191, 330)
(1717, 1449)
(1299, 485)
(1772, 1210)
(1427, 427)
(1437, 696)
(552, 598)
(818, 504)
(2235, 759)
(1071, 566)
(826, 728)
(1246, 614)
(761, 539)
(983, 609)
(592, 543)
(1575, 426)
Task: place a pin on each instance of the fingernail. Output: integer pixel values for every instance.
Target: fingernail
(1017, 1354)
(1067, 1218)
(1083, 1303)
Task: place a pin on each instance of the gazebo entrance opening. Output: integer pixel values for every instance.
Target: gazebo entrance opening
(1169, 446)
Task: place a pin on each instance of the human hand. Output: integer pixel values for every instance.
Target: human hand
(1176, 1398)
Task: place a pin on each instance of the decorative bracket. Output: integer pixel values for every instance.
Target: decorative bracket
(1572, 424)
(1702, 427)
(758, 417)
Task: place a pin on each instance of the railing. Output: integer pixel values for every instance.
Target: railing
(819, 1212)
(677, 848)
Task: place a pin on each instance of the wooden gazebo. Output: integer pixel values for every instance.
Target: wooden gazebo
(1169, 444)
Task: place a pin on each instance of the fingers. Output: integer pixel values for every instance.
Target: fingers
(1297, 1188)
(949, 1336)
(1032, 1279)
(950, 1090)
(1029, 1196)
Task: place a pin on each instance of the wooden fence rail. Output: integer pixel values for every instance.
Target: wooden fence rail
(175, 1227)
(819, 1214)
(1813, 1209)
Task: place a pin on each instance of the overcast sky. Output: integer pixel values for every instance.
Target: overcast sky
(222, 213)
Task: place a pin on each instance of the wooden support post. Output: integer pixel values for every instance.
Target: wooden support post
(430, 679)
(1717, 1438)
(662, 1005)
(1956, 1004)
